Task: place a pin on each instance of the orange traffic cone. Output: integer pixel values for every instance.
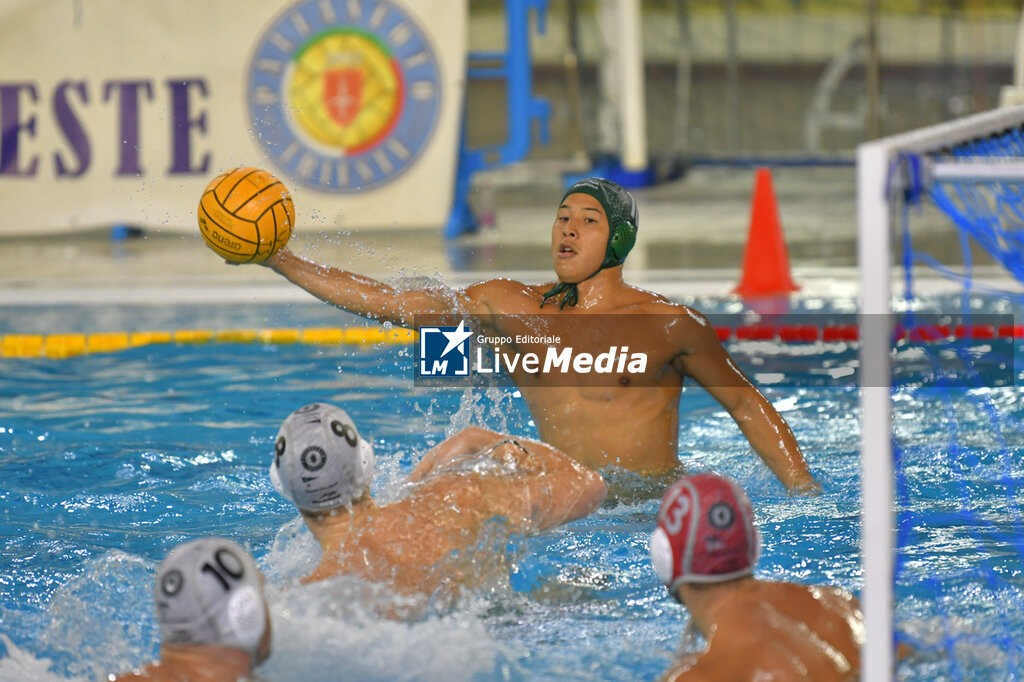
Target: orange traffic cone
(766, 260)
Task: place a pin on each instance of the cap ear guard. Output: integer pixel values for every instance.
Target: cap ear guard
(275, 480)
(622, 240)
(275, 473)
(661, 555)
(247, 617)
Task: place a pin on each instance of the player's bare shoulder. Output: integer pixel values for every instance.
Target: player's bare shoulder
(503, 295)
(686, 330)
(651, 303)
(629, 299)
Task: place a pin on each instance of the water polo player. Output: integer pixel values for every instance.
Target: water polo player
(594, 229)
(704, 549)
(325, 466)
(213, 618)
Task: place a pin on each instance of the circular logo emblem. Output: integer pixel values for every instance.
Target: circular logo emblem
(721, 515)
(343, 96)
(172, 582)
(313, 458)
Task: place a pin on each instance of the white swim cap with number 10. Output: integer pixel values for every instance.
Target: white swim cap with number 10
(209, 591)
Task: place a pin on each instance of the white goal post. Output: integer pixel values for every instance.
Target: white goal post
(875, 233)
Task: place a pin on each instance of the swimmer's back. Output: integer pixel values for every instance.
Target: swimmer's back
(401, 543)
(406, 541)
(785, 631)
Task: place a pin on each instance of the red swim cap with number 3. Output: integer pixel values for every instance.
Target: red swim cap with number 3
(705, 532)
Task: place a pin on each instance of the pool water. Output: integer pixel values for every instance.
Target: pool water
(107, 461)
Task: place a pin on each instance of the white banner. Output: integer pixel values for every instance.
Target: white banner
(121, 111)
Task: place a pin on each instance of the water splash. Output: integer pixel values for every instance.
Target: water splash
(19, 664)
(101, 620)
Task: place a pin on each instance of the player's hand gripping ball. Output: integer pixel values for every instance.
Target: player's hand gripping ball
(246, 215)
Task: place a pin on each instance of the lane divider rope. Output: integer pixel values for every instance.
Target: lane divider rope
(68, 345)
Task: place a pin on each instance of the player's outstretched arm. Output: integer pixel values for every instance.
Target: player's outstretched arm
(540, 487)
(466, 442)
(362, 295)
(769, 435)
(543, 487)
(558, 488)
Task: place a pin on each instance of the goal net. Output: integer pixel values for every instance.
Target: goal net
(941, 252)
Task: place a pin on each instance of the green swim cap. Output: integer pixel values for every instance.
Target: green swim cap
(620, 209)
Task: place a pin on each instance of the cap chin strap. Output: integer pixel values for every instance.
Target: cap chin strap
(571, 289)
(572, 294)
(612, 258)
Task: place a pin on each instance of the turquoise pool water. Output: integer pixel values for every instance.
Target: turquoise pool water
(107, 461)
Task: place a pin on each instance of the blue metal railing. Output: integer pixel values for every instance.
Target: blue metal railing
(522, 109)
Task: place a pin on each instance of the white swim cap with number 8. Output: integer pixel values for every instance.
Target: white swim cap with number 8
(320, 461)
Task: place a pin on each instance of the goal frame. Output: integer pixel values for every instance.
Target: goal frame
(875, 236)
